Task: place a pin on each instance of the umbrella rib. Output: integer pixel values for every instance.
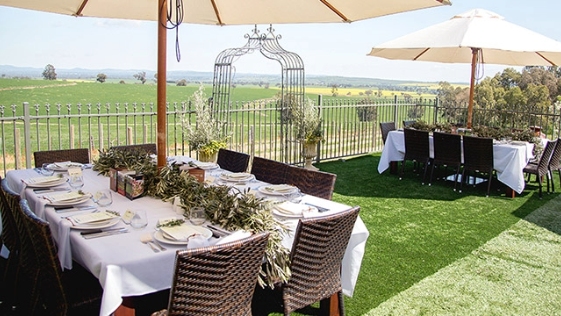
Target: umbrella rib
(332, 8)
(421, 53)
(82, 6)
(549, 61)
(215, 12)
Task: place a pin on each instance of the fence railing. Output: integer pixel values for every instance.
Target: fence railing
(351, 126)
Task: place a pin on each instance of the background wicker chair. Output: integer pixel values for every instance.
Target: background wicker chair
(149, 148)
(316, 256)
(81, 155)
(232, 160)
(386, 127)
(447, 153)
(72, 292)
(270, 171)
(217, 280)
(555, 164)
(316, 183)
(543, 166)
(416, 149)
(478, 158)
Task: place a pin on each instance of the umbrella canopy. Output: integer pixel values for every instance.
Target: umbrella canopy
(220, 12)
(477, 37)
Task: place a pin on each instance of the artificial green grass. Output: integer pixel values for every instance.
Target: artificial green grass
(417, 230)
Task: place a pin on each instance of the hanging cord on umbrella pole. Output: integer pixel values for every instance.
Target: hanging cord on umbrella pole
(480, 69)
(175, 21)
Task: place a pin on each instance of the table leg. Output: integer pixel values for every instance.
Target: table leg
(393, 167)
(126, 308)
(510, 193)
(334, 305)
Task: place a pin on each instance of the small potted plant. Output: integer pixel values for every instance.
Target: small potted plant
(205, 136)
(310, 131)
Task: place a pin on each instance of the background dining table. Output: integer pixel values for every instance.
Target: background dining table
(509, 159)
(124, 265)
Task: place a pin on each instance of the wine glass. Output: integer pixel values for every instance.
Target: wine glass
(76, 181)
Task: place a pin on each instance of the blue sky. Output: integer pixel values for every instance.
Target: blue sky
(35, 39)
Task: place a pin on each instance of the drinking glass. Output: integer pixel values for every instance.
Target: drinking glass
(76, 182)
(47, 170)
(197, 215)
(139, 219)
(103, 198)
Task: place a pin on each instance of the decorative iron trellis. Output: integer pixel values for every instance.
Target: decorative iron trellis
(292, 82)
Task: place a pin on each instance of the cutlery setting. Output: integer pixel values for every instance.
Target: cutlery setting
(104, 232)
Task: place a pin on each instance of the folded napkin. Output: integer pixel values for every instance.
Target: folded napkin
(235, 236)
(181, 232)
(63, 196)
(62, 164)
(236, 175)
(280, 188)
(42, 179)
(90, 218)
(205, 165)
(290, 208)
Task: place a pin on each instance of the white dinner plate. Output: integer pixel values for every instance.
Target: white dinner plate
(65, 166)
(162, 237)
(206, 165)
(276, 212)
(49, 184)
(75, 201)
(270, 190)
(233, 177)
(97, 225)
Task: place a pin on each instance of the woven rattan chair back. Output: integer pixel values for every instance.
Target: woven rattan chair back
(232, 160)
(316, 258)
(312, 182)
(416, 149)
(9, 200)
(81, 155)
(72, 292)
(555, 163)
(447, 152)
(478, 157)
(217, 280)
(543, 166)
(149, 148)
(386, 127)
(270, 171)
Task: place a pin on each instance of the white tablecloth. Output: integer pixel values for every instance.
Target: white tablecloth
(127, 267)
(508, 160)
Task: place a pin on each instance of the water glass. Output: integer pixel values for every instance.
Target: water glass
(197, 215)
(76, 182)
(47, 170)
(103, 198)
(139, 220)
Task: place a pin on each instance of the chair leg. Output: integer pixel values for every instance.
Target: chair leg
(431, 174)
(402, 169)
(456, 177)
(425, 173)
(489, 184)
(540, 184)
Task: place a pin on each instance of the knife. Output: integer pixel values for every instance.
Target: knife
(106, 233)
(97, 231)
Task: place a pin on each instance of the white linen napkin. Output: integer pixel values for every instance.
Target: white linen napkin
(279, 188)
(90, 217)
(38, 180)
(290, 208)
(63, 196)
(181, 232)
(237, 235)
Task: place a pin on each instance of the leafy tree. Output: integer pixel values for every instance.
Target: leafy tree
(141, 76)
(182, 83)
(101, 77)
(334, 90)
(122, 82)
(49, 72)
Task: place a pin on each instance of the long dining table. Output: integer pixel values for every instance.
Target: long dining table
(124, 265)
(509, 159)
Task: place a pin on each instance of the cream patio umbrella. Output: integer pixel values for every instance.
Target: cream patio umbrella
(477, 37)
(219, 12)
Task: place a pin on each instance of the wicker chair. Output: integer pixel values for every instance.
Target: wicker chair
(447, 153)
(81, 155)
(478, 157)
(72, 292)
(149, 148)
(232, 160)
(316, 258)
(407, 124)
(542, 168)
(270, 171)
(10, 239)
(416, 149)
(316, 183)
(555, 164)
(386, 127)
(216, 280)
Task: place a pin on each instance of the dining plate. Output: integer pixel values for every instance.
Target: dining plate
(206, 165)
(161, 236)
(75, 201)
(278, 189)
(97, 225)
(237, 177)
(63, 166)
(310, 210)
(48, 184)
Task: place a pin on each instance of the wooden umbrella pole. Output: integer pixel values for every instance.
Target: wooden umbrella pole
(161, 84)
(474, 52)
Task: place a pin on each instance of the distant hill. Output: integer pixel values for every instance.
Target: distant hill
(205, 77)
